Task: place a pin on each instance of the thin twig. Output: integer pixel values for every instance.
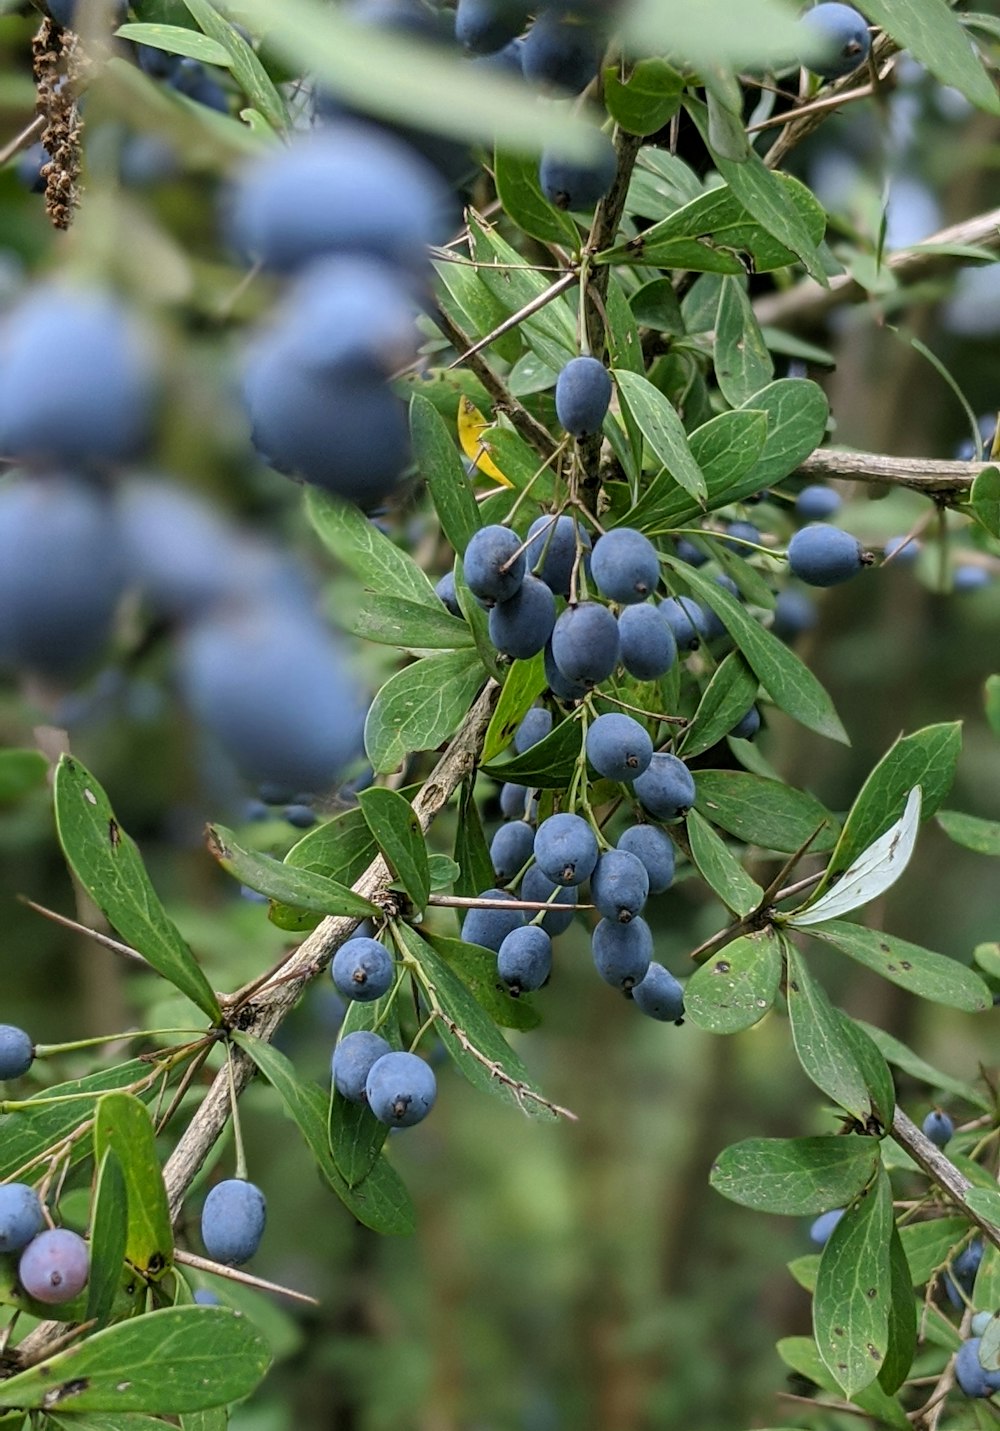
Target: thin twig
(515, 319)
(456, 901)
(202, 1264)
(115, 945)
(22, 140)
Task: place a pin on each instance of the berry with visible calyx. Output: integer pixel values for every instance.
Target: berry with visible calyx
(585, 643)
(446, 593)
(511, 849)
(352, 1062)
(583, 393)
(21, 1216)
(688, 552)
(524, 960)
(660, 996)
(54, 1266)
(575, 184)
(648, 644)
(537, 888)
(537, 724)
(566, 849)
(494, 565)
(837, 39)
(618, 747)
(490, 927)
(686, 620)
(666, 789)
(817, 502)
(622, 952)
(401, 1089)
(551, 548)
(520, 627)
(362, 969)
(625, 565)
(821, 555)
(619, 885)
(17, 1052)
(970, 1373)
(655, 849)
(819, 1231)
(232, 1221)
(747, 726)
(939, 1128)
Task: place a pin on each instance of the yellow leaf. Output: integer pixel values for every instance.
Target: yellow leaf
(471, 426)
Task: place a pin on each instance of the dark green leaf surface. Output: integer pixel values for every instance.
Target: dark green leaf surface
(933, 34)
(442, 469)
(797, 412)
(735, 988)
(659, 424)
(721, 869)
(376, 561)
(397, 830)
(853, 1290)
(20, 771)
(551, 332)
(983, 836)
(547, 765)
(789, 683)
(928, 1245)
(920, 971)
(647, 99)
(108, 1236)
(175, 1359)
(873, 1067)
(796, 1176)
(984, 500)
(282, 882)
(761, 811)
(726, 699)
(802, 1355)
(520, 192)
(123, 1126)
(477, 969)
(29, 1132)
(248, 72)
(381, 1201)
(524, 682)
(472, 853)
(113, 1421)
(824, 1052)
(421, 706)
(742, 363)
(725, 446)
(342, 848)
(107, 863)
(177, 40)
(391, 621)
(896, 1053)
(985, 1201)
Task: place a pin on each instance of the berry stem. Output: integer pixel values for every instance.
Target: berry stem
(241, 1157)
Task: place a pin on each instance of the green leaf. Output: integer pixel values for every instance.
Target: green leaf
(761, 811)
(479, 1050)
(928, 1245)
(984, 499)
(28, 1132)
(108, 865)
(392, 821)
(122, 1125)
(117, 1421)
(721, 869)
(177, 40)
(282, 882)
(919, 971)
(933, 33)
(851, 1305)
(525, 681)
(472, 853)
(520, 193)
(985, 1201)
(375, 560)
(421, 706)
(343, 846)
(734, 989)
(381, 1201)
(705, 37)
(902, 1319)
(902, 1057)
(823, 1050)
(874, 871)
(992, 690)
(108, 1235)
(983, 836)
(441, 468)
(742, 363)
(797, 412)
(551, 332)
(175, 1359)
(644, 102)
(356, 1135)
(548, 765)
(20, 771)
(663, 430)
(987, 956)
(802, 1355)
(726, 699)
(248, 72)
(477, 969)
(444, 871)
(873, 1067)
(392, 621)
(927, 758)
(796, 1176)
(723, 448)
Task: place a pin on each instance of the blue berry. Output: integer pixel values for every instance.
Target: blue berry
(820, 1230)
(970, 1373)
(794, 614)
(619, 885)
(964, 1269)
(837, 37)
(667, 788)
(352, 1062)
(626, 566)
(738, 533)
(511, 849)
(817, 502)
(622, 952)
(537, 724)
(485, 26)
(447, 594)
(17, 1052)
(490, 927)
(524, 961)
(21, 1216)
(205, 1297)
(578, 185)
(362, 969)
(660, 996)
(232, 1221)
(552, 547)
(939, 1128)
(561, 686)
(822, 555)
(54, 1266)
(566, 849)
(520, 627)
(583, 393)
(178, 551)
(686, 620)
(968, 578)
(300, 817)
(618, 747)
(747, 726)
(902, 549)
(648, 644)
(493, 564)
(560, 52)
(585, 643)
(401, 1089)
(516, 802)
(688, 552)
(537, 888)
(655, 849)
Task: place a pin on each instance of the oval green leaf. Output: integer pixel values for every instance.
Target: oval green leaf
(735, 988)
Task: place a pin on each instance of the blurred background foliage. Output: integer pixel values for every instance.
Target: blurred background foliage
(580, 1275)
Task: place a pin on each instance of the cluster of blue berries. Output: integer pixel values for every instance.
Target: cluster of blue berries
(837, 39)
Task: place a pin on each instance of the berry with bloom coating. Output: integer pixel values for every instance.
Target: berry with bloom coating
(794, 614)
(747, 726)
(446, 593)
(660, 996)
(667, 788)
(559, 52)
(552, 550)
(511, 849)
(54, 1266)
(583, 392)
(686, 620)
(939, 1128)
(585, 643)
(232, 1221)
(352, 1062)
(536, 725)
(520, 627)
(837, 37)
(362, 969)
(514, 801)
(21, 1216)
(524, 961)
(656, 850)
(490, 927)
(537, 888)
(820, 1230)
(626, 566)
(618, 747)
(622, 952)
(484, 26)
(17, 1052)
(577, 184)
(566, 849)
(816, 502)
(493, 564)
(821, 555)
(401, 1089)
(648, 644)
(619, 885)
(970, 1373)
